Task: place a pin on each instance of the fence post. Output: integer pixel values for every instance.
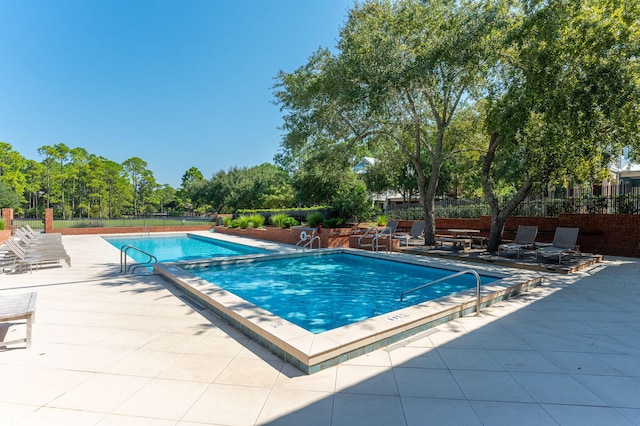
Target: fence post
(48, 221)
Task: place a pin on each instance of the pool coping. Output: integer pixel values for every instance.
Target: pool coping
(311, 352)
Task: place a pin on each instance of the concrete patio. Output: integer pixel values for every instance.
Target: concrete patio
(110, 349)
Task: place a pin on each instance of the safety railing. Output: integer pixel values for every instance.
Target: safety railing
(457, 274)
(132, 268)
(308, 239)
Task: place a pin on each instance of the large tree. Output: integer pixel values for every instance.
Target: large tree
(402, 73)
(564, 96)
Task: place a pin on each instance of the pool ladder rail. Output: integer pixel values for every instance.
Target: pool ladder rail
(376, 235)
(457, 274)
(132, 268)
(308, 239)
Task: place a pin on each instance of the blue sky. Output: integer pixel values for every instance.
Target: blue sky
(176, 83)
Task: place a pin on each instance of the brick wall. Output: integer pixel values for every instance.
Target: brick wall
(616, 235)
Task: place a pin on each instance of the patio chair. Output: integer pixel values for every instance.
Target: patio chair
(37, 256)
(564, 241)
(525, 238)
(415, 234)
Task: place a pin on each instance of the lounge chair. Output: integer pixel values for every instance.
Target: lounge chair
(415, 234)
(525, 238)
(377, 235)
(37, 256)
(564, 241)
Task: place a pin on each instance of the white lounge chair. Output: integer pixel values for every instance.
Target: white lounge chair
(525, 238)
(564, 241)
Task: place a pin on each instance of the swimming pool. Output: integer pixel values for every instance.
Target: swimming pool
(180, 247)
(313, 351)
(320, 293)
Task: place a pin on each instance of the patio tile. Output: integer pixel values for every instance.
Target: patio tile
(221, 346)
(427, 383)
(414, 357)
(11, 413)
(490, 386)
(614, 390)
(296, 407)
(47, 416)
(162, 399)
(579, 363)
(509, 413)
(228, 405)
(468, 359)
(525, 361)
(119, 420)
(369, 380)
(421, 411)
(366, 410)
(250, 372)
(42, 386)
(293, 379)
(547, 388)
(143, 363)
(586, 415)
(101, 392)
(194, 368)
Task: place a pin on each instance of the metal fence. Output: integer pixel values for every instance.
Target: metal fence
(38, 224)
(628, 203)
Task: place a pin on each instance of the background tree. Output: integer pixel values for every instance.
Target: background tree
(12, 165)
(564, 96)
(135, 168)
(402, 72)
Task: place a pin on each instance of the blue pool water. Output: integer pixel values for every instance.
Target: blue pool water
(320, 293)
(182, 247)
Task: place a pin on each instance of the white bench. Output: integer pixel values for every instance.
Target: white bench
(17, 307)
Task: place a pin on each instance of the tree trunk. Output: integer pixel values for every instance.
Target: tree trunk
(499, 215)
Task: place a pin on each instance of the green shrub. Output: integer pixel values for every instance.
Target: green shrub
(226, 221)
(315, 219)
(281, 220)
(335, 222)
(255, 221)
(244, 222)
(2, 224)
(381, 220)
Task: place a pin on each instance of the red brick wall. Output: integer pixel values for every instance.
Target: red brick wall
(616, 235)
(5, 234)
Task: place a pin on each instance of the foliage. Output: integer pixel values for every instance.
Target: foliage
(335, 222)
(283, 221)
(2, 224)
(566, 80)
(381, 220)
(8, 197)
(315, 219)
(245, 221)
(352, 202)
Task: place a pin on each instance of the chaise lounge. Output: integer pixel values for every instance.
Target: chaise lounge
(564, 241)
(525, 238)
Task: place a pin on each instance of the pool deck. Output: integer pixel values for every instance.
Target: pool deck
(124, 350)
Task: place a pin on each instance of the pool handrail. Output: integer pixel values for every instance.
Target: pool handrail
(309, 239)
(123, 255)
(457, 274)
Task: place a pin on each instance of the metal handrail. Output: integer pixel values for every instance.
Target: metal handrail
(309, 241)
(457, 274)
(375, 237)
(123, 258)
